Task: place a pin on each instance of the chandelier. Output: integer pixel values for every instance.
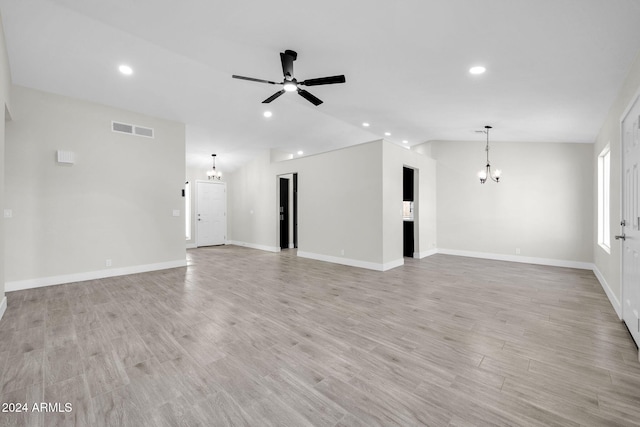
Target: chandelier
(213, 174)
(486, 172)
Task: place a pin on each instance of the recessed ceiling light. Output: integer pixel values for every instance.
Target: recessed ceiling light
(404, 141)
(365, 124)
(300, 153)
(477, 70)
(267, 114)
(126, 70)
(387, 134)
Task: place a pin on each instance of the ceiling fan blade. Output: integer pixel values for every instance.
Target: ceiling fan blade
(251, 79)
(274, 96)
(324, 81)
(287, 57)
(312, 99)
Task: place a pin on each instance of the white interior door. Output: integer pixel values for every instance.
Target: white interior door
(631, 220)
(211, 213)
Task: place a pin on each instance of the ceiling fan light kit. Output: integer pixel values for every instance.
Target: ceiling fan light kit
(290, 84)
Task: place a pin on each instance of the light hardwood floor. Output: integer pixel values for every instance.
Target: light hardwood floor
(244, 337)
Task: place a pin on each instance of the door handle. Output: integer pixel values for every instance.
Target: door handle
(622, 236)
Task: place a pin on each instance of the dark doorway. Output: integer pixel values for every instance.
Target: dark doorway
(284, 213)
(295, 210)
(407, 219)
(407, 184)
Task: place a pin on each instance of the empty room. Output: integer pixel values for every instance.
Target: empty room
(330, 214)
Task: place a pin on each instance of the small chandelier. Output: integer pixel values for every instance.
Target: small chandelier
(486, 173)
(213, 174)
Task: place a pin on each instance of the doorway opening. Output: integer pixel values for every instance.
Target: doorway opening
(409, 211)
(288, 210)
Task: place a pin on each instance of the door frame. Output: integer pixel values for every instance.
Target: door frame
(195, 211)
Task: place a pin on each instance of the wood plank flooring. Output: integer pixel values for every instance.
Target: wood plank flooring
(250, 338)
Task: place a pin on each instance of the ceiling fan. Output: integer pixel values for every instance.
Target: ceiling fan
(290, 84)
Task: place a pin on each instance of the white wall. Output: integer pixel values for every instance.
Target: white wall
(252, 204)
(542, 206)
(344, 216)
(5, 85)
(116, 202)
(608, 265)
(340, 202)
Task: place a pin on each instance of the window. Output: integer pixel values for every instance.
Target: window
(187, 209)
(604, 175)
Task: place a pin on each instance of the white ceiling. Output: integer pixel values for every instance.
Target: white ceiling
(554, 67)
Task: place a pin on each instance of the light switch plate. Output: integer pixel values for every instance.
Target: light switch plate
(176, 212)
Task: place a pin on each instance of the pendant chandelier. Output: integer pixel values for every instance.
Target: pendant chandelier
(213, 174)
(486, 172)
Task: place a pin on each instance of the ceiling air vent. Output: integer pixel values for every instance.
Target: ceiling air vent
(132, 129)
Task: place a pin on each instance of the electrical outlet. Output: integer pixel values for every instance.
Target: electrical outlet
(176, 212)
(517, 251)
(341, 251)
(8, 213)
(107, 263)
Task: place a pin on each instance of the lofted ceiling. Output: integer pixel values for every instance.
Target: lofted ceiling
(554, 67)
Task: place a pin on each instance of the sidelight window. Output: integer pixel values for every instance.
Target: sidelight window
(604, 188)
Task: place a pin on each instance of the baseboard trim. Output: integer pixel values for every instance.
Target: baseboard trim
(393, 264)
(424, 254)
(191, 246)
(3, 306)
(522, 259)
(18, 285)
(352, 262)
(607, 290)
(254, 246)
